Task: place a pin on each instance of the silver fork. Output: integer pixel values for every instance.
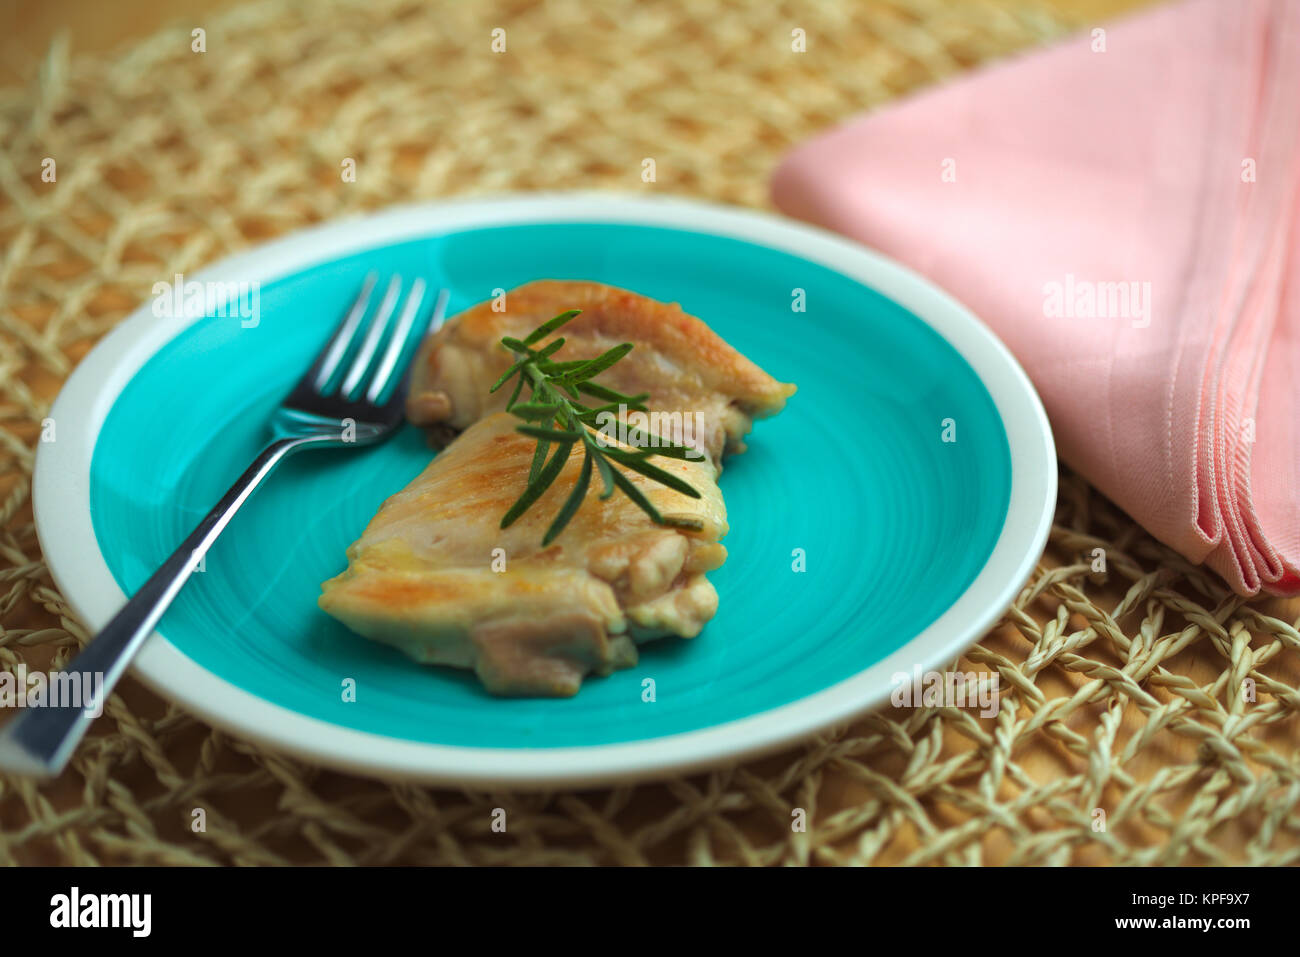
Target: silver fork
(336, 403)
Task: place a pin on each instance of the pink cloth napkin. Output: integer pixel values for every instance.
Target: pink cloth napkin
(1122, 209)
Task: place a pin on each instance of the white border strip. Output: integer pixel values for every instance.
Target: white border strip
(63, 520)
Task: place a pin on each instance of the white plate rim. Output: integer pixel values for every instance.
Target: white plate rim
(61, 505)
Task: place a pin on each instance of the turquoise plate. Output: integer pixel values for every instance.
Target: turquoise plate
(878, 524)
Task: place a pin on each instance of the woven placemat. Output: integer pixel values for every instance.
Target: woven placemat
(1124, 735)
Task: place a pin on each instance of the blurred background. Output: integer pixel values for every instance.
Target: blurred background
(94, 26)
(170, 158)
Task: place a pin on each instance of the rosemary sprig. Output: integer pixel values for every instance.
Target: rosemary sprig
(556, 415)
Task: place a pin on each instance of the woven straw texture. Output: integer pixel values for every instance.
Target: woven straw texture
(1121, 690)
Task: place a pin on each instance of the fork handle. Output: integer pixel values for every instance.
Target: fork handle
(41, 740)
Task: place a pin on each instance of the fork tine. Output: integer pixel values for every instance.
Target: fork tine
(439, 312)
(373, 335)
(327, 361)
(397, 342)
(397, 372)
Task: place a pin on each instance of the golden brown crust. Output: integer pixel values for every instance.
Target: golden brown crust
(435, 575)
(679, 360)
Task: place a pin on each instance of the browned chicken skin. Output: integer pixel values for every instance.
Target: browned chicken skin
(427, 576)
(681, 362)
(434, 574)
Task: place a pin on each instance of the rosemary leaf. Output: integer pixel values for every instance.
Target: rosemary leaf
(639, 464)
(690, 524)
(548, 350)
(550, 435)
(536, 411)
(572, 502)
(537, 486)
(599, 364)
(514, 396)
(539, 458)
(561, 368)
(653, 444)
(606, 473)
(633, 402)
(634, 493)
(549, 326)
(505, 376)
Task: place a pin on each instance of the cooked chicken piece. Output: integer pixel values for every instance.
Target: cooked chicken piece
(434, 574)
(685, 366)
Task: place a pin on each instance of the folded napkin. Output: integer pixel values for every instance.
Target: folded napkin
(1122, 209)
